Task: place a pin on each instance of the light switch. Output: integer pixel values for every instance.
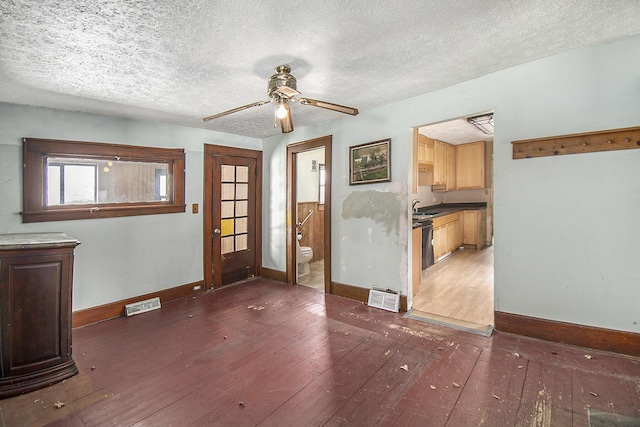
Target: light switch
(194, 208)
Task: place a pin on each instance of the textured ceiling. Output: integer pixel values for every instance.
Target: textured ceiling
(180, 60)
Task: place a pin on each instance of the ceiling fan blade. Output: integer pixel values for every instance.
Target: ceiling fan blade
(329, 106)
(286, 123)
(235, 110)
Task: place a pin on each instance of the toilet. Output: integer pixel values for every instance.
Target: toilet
(305, 253)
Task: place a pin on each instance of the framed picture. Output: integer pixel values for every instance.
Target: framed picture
(370, 162)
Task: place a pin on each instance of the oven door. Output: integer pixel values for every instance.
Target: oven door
(427, 246)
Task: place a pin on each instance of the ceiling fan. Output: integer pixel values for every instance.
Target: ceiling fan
(281, 90)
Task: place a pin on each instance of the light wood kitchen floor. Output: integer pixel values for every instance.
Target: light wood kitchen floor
(459, 287)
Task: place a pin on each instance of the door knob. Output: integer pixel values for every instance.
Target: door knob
(216, 231)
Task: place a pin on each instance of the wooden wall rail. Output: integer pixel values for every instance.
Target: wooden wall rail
(590, 142)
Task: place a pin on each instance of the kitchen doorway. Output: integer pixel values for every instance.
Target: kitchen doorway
(308, 213)
(458, 290)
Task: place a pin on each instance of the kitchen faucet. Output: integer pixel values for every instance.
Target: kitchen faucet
(414, 203)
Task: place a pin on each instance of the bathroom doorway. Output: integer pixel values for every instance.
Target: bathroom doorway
(308, 207)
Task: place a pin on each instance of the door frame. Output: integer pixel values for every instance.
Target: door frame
(292, 203)
(211, 150)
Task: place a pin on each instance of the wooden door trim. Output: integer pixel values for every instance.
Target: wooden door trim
(292, 150)
(218, 150)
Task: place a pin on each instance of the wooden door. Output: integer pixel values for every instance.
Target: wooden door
(232, 215)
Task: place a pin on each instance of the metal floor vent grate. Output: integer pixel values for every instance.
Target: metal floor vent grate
(384, 300)
(142, 306)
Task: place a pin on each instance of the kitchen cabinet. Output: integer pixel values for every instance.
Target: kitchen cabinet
(444, 166)
(475, 228)
(447, 235)
(36, 273)
(451, 172)
(422, 160)
(439, 163)
(471, 166)
(416, 260)
(425, 153)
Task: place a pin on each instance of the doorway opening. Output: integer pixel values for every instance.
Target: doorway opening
(458, 289)
(232, 214)
(309, 213)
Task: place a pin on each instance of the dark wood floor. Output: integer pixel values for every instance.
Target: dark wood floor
(264, 353)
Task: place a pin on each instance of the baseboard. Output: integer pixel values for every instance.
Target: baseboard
(272, 274)
(569, 333)
(116, 309)
(359, 294)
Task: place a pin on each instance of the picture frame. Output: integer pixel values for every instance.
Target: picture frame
(370, 162)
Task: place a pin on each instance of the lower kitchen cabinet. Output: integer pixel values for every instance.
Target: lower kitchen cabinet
(475, 228)
(447, 235)
(36, 272)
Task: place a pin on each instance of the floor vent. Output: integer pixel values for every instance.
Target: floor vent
(384, 300)
(142, 306)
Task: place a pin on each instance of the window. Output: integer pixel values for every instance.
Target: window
(78, 180)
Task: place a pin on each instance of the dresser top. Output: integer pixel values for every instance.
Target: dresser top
(36, 241)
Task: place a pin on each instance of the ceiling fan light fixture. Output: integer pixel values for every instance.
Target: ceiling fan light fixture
(281, 111)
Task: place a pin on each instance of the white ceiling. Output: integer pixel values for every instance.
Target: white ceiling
(176, 61)
(455, 132)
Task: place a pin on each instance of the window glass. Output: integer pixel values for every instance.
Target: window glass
(77, 180)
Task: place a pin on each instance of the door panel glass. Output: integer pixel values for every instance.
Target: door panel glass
(241, 242)
(227, 227)
(226, 245)
(226, 209)
(234, 222)
(242, 191)
(242, 207)
(243, 174)
(241, 225)
(228, 191)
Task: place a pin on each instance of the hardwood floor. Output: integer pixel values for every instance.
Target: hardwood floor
(265, 353)
(460, 287)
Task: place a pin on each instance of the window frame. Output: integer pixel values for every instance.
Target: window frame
(37, 150)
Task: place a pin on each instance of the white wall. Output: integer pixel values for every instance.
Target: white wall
(118, 257)
(566, 227)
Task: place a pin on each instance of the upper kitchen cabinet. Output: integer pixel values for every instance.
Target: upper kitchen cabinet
(444, 166)
(425, 153)
(423, 160)
(471, 166)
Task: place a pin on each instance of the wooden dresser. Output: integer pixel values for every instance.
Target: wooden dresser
(36, 275)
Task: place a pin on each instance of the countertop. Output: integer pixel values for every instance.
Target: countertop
(36, 241)
(436, 211)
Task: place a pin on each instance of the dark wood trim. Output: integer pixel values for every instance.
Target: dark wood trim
(116, 308)
(569, 333)
(269, 273)
(360, 294)
(36, 151)
(209, 151)
(293, 149)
